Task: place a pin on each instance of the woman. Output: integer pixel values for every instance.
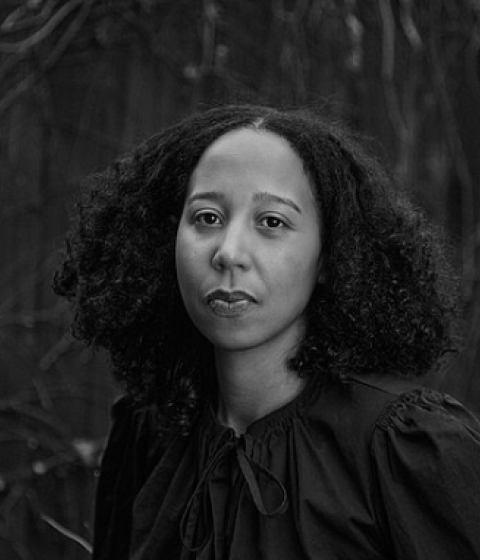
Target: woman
(270, 304)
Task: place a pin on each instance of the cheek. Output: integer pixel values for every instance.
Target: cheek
(303, 264)
(190, 263)
(183, 264)
(292, 283)
(302, 278)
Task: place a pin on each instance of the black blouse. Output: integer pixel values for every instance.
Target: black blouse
(372, 469)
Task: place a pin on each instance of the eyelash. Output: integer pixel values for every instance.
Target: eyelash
(281, 223)
(199, 218)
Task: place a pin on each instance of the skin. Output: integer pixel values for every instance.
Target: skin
(250, 223)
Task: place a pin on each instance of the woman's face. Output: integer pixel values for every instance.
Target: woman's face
(248, 243)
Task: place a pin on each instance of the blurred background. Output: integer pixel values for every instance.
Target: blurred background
(82, 81)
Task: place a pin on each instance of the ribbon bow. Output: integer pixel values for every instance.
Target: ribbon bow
(201, 495)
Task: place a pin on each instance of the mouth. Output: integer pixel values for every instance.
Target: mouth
(229, 304)
(229, 297)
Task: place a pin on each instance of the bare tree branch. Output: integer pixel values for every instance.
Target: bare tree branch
(52, 59)
(15, 23)
(461, 166)
(409, 27)
(40, 35)
(67, 533)
(388, 68)
(6, 512)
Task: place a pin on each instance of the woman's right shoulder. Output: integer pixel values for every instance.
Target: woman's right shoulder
(128, 414)
(134, 447)
(135, 437)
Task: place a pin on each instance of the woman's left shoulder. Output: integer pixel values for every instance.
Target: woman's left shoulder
(409, 405)
(427, 433)
(426, 458)
(423, 410)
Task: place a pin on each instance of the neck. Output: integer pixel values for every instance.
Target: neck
(252, 384)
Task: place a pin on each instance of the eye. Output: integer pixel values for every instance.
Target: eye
(207, 219)
(272, 222)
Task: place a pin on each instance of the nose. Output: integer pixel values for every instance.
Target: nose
(232, 250)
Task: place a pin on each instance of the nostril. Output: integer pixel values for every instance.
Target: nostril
(223, 259)
(232, 249)
(217, 262)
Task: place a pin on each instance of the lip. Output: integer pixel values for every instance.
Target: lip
(229, 296)
(225, 303)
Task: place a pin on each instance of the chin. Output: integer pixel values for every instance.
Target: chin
(233, 341)
(232, 344)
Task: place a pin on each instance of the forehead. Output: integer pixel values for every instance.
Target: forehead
(251, 156)
(259, 147)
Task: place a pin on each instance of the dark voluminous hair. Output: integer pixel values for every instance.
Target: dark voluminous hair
(385, 307)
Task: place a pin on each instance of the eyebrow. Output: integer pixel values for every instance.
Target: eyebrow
(213, 195)
(275, 198)
(209, 195)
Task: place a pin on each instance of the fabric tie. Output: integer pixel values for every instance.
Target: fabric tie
(201, 495)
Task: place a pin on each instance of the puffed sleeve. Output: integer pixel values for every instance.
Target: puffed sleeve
(123, 469)
(426, 452)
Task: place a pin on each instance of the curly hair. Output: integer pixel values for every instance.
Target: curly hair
(386, 306)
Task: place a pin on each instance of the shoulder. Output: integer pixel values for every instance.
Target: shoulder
(404, 406)
(134, 418)
(413, 408)
(365, 412)
(135, 440)
(133, 449)
(357, 405)
(425, 456)
(422, 432)
(394, 401)
(422, 448)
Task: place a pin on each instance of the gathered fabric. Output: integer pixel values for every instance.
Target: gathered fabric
(372, 469)
(198, 507)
